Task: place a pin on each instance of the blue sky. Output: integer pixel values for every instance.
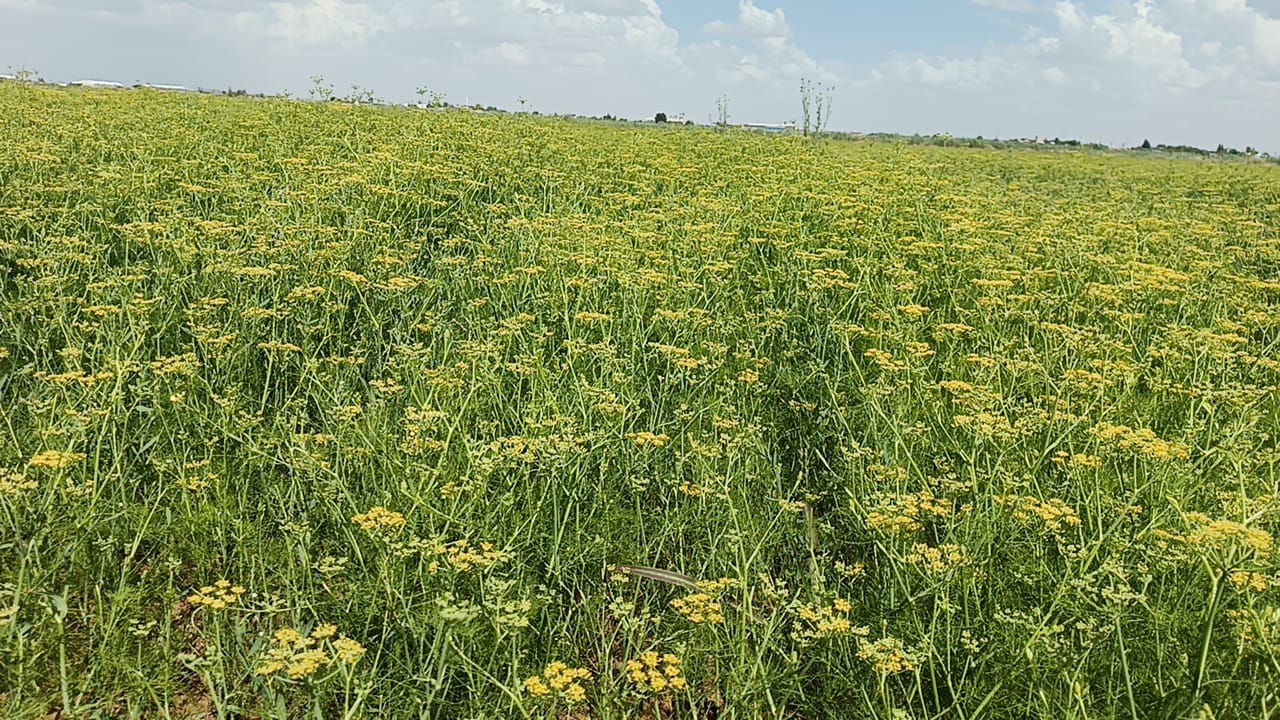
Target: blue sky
(1200, 72)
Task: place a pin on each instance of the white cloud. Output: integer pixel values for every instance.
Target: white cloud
(1266, 39)
(762, 23)
(315, 22)
(1070, 17)
(1131, 49)
(946, 72)
(754, 22)
(614, 8)
(1238, 23)
(769, 56)
(1144, 43)
(1020, 6)
(513, 53)
(1179, 71)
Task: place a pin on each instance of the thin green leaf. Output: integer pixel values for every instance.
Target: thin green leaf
(665, 576)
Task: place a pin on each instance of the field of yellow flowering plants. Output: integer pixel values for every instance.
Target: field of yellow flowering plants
(318, 411)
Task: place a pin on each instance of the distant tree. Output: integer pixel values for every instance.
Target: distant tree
(1146, 145)
(722, 111)
(660, 118)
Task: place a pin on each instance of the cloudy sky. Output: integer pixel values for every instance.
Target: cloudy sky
(1200, 72)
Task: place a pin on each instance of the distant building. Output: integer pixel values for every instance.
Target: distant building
(7, 77)
(97, 83)
(770, 127)
(167, 88)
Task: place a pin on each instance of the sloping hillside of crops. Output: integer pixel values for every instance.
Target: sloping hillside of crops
(311, 410)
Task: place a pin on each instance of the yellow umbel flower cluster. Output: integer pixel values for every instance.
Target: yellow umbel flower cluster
(299, 655)
(218, 596)
(1257, 629)
(654, 673)
(54, 459)
(592, 317)
(1142, 441)
(959, 389)
(352, 277)
(1208, 533)
(938, 559)
(277, 346)
(699, 608)
(1055, 514)
(462, 556)
(346, 650)
(718, 585)
(77, 377)
(14, 483)
(884, 359)
(379, 518)
(898, 514)
(648, 439)
(1076, 460)
(421, 427)
(825, 620)
(559, 680)
(1243, 580)
(305, 294)
(185, 364)
(888, 656)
